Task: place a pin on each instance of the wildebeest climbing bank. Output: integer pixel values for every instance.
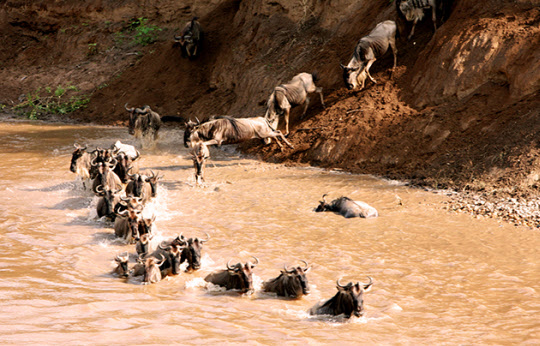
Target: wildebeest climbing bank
(173, 203)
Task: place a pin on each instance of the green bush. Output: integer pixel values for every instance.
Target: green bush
(51, 101)
(144, 34)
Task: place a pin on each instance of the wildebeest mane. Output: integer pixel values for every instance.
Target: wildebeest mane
(341, 303)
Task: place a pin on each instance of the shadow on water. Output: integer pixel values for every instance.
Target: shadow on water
(74, 203)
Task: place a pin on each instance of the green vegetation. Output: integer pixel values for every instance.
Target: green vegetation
(61, 100)
(144, 34)
(92, 49)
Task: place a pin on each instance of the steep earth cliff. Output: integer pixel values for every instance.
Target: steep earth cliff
(461, 111)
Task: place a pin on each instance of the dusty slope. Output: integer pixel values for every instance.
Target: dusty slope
(462, 110)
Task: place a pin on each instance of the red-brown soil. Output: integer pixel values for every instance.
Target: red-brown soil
(462, 110)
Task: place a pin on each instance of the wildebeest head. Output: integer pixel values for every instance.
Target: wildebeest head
(143, 244)
(134, 116)
(189, 128)
(290, 283)
(124, 164)
(138, 181)
(192, 253)
(244, 274)
(351, 75)
(349, 300)
(122, 265)
(323, 205)
(153, 181)
(108, 204)
(77, 154)
(133, 217)
(152, 273)
(145, 225)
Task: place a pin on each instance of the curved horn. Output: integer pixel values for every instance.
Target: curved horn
(228, 265)
(140, 111)
(368, 284)
(340, 285)
(98, 190)
(287, 270)
(132, 176)
(256, 259)
(138, 155)
(163, 247)
(162, 260)
(207, 238)
(343, 66)
(198, 121)
(128, 109)
(93, 162)
(307, 266)
(122, 213)
(323, 197)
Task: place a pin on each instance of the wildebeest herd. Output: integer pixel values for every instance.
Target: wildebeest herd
(124, 191)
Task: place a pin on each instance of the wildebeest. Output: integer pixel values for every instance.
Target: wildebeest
(152, 271)
(106, 176)
(199, 154)
(237, 277)
(413, 11)
(171, 262)
(349, 300)
(190, 39)
(129, 150)
(81, 163)
(142, 186)
(106, 205)
(369, 49)
(229, 130)
(143, 244)
(125, 163)
(347, 207)
(143, 122)
(290, 283)
(293, 93)
(191, 253)
(122, 265)
(126, 225)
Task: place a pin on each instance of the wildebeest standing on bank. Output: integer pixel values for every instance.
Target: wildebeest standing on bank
(229, 130)
(143, 122)
(347, 207)
(237, 277)
(293, 93)
(349, 300)
(369, 49)
(413, 11)
(290, 283)
(190, 39)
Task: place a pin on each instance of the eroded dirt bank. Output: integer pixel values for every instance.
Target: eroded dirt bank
(461, 112)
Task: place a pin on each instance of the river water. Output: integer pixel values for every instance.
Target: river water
(439, 277)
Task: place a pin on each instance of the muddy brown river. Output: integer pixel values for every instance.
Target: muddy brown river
(439, 278)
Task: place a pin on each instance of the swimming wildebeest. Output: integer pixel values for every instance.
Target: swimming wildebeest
(152, 271)
(191, 253)
(143, 122)
(143, 186)
(347, 207)
(349, 300)
(106, 176)
(369, 49)
(190, 39)
(122, 265)
(106, 205)
(229, 130)
(290, 283)
(413, 11)
(237, 277)
(293, 93)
